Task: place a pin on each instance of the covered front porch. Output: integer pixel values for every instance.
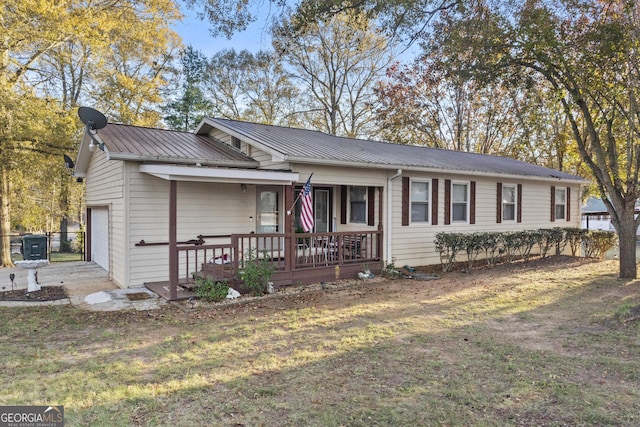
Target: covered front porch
(337, 248)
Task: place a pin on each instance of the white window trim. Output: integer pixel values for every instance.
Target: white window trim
(366, 204)
(515, 202)
(468, 203)
(428, 201)
(564, 205)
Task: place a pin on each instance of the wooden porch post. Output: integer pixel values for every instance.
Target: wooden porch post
(380, 222)
(173, 241)
(290, 244)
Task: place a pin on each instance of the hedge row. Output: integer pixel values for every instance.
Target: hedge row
(509, 245)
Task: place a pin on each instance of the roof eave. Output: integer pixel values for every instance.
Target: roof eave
(341, 163)
(221, 175)
(183, 161)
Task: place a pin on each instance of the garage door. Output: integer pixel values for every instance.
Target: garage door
(100, 237)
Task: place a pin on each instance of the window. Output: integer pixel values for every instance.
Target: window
(459, 202)
(509, 202)
(358, 205)
(561, 203)
(419, 202)
(236, 142)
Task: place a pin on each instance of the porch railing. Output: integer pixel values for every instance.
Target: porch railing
(288, 252)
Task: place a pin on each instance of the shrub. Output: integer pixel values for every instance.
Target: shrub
(256, 272)
(211, 290)
(573, 237)
(493, 245)
(550, 237)
(473, 245)
(597, 243)
(448, 245)
(512, 243)
(80, 236)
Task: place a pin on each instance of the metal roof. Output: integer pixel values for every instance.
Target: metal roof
(307, 146)
(126, 142)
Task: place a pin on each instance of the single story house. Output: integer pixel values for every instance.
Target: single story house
(164, 205)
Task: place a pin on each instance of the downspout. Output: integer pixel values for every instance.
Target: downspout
(389, 219)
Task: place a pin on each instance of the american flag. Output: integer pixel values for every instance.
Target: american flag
(306, 210)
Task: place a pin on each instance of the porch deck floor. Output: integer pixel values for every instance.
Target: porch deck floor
(163, 290)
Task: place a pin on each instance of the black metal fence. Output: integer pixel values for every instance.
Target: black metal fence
(58, 246)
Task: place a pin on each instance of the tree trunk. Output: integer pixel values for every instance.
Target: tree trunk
(5, 220)
(627, 241)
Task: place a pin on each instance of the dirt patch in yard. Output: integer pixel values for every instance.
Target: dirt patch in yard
(544, 342)
(46, 293)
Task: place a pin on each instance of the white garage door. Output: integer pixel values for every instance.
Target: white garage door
(100, 237)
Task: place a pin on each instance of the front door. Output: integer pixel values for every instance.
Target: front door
(322, 207)
(322, 210)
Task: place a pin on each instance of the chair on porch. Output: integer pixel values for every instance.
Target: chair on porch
(352, 245)
(313, 250)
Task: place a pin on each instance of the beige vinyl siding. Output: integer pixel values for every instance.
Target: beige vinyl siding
(413, 244)
(335, 175)
(108, 192)
(203, 208)
(265, 159)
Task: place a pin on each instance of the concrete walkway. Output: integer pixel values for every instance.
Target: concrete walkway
(87, 285)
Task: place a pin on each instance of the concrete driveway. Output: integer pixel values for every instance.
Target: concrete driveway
(87, 285)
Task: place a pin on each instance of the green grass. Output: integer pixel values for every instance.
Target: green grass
(536, 344)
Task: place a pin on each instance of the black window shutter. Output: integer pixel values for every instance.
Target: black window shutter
(434, 201)
(447, 201)
(472, 208)
(553, 203)
(371, 206)
(568, 204)
(405, 200)
(499, 203)
(519, 216)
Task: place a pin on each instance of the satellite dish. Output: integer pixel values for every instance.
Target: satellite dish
(93, 119)
(68, 162)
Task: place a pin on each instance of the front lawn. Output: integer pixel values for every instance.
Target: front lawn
(550, 342)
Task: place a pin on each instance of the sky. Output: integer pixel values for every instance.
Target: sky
(195, 32)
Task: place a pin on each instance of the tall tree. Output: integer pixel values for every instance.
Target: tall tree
(337, 62)
(256, 87)
(223, 82)
(33, 33)
(587, 52)
(271, 95)
(409, 18)
(429, 102)
(191, 105)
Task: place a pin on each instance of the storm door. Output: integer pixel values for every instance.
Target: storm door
(322, 210)
(268, 205)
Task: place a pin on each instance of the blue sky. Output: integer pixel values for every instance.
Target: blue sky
(195, 32)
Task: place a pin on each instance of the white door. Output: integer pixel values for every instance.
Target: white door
(100, 237)
(321, 210)
(269, 218)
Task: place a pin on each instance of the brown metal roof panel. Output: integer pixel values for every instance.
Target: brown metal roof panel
(315, 145)
(164, 144)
